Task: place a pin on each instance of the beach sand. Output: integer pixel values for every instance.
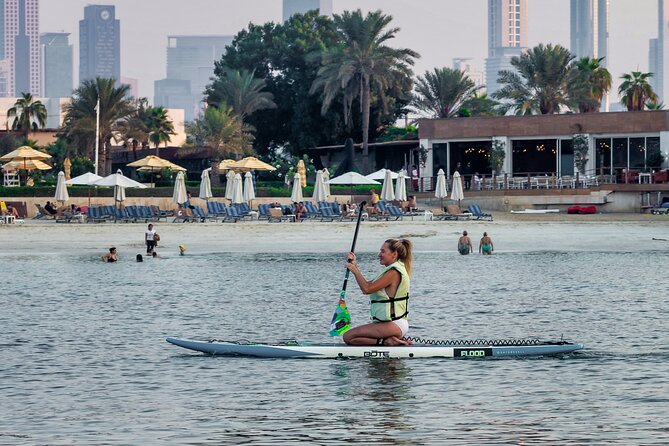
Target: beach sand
(510, 233)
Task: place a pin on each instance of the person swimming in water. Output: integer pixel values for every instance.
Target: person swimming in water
(485, 245)
(182, 250)
(389, 296)
(465, 244)
(110, 257)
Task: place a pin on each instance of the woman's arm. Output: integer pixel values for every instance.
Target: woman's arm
(368, 287)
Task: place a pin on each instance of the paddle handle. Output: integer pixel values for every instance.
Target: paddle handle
(355, 239)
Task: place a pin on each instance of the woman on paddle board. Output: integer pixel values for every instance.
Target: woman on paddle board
(389, 296)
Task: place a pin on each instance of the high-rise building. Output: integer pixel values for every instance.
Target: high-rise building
(99, 43)
(507, 37)
(659, 53)
(466, 65)
(19, 47)
(291, 7)
(589, 33)
(56, 65)
(190, 66)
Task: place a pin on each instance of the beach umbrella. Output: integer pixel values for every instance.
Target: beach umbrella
(249, 192)
(296, 196)
(458, 191)
(119, 182)
(179, 195)
(119, 194)
(381, 174)
(225, 164)
(326, 182)
(26, 164)
(205, 185)
(401, 189)
(251, 163)
(154, 163)
(237, 193)
(229, 182)
(61, 189)
(319, 188)
(351, 179)
(25, 153)
(387, 191)
(87, 179)
(302, 170)
(440, 191)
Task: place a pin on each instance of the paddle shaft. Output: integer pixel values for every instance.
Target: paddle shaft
(355, 239)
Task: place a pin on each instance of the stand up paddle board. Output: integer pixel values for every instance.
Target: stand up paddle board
(429, 349)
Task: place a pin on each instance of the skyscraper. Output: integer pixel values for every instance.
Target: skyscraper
(57, 69)
(507, 37)
(659, 53)
(190, 66)
(19, 47)
(99, 43)
(589, 32)
(291, 7)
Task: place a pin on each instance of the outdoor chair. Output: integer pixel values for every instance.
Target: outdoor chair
(231, 215)
(41, 213)
(478, 214)
(263, 213)
(158, 213)
(199, 213)
(183, 216)
(120, 214)
(326, 213)
(394, 212)
(214, 209)
(276, 214)
(66, 217)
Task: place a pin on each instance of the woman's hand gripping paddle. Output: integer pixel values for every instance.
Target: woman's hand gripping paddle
(341, 320)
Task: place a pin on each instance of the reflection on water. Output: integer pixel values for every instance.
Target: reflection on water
(83, 358)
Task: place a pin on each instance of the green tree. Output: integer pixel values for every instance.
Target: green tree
(160, 126)
(635, 90)
(222, 130)
(242, 91)
(482, 105)
(29, 114)
(540, 82)
(80, 115)
(134, 129)
(442, 92)
(362, 65)
(591, 81)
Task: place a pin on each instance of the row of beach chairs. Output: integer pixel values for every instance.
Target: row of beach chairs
(453, 212)
(145, 214)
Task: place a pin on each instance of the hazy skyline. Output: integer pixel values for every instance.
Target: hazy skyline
(437, 29)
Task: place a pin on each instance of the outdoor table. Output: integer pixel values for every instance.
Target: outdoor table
(7, 219)
(644, 178)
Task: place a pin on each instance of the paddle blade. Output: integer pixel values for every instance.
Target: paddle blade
(341, 320)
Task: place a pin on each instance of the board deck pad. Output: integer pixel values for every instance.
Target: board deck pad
(466, 349)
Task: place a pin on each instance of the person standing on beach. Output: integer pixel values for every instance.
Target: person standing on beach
(485, 245)
(465, 244)
(149, 238)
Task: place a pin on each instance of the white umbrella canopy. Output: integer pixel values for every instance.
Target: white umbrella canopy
(458, 191)
(296, 196)
(440, 191)
(387, 191)
(118, 179)
(381, 174)
(401, 189)
(319, 187)
(326, 182)
(205, 185)
(61, 188)
(229, 182)
(179, 195)
(351, 178)
(87, 179)
(237, 193)
(249, 191)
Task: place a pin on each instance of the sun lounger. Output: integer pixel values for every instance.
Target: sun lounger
(276, 214)
(478, 214)
(453, 212)
(394, 212)
(42, 213)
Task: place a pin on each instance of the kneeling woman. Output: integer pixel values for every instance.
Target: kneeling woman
(389, 296)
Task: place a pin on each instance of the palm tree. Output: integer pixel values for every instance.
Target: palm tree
(221, 129)
(441, 93)
(28, 114)
(160, 126)
(635, 90)
(115, 108)
(243, 92)
(591, 81)
(482, 105)
(654, 105)
(540, 82)
(360, 65)
(134, 129)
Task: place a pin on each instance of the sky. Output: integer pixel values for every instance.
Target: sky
(438, 30)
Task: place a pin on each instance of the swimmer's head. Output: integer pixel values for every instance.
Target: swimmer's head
(182, 249)
(140, 258)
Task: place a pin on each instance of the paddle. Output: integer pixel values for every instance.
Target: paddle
(341, 320)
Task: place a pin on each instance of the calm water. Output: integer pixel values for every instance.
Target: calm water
(83, 358)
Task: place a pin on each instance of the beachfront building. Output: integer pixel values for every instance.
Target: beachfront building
(466, 65)
(507, 37)
(291, 7)
(99, 43)
(542, 145)
(19, 48)
(190, 67)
